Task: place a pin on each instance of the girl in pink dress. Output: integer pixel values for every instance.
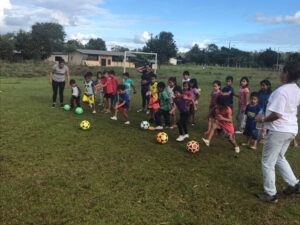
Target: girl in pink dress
(243, 102)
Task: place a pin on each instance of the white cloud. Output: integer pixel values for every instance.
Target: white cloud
(201, 44)
(145, 36)
(5, 4)
(295, 19)
(84, 38)
(183, 50)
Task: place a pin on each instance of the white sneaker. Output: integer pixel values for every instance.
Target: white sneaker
(186, 136)
(180, 138)
(238, 132)
(127, 122)
(91, 105)
(206, 142)
(159, 128)
(237, 149)
(114, 118)
(140, 110)
(148, 112)
(94, 112)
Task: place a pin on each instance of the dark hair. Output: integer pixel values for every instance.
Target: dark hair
(254, 94)
(186, 73)
(178, 89)
(194, 81)
(267, 83)
(222, 102)
(293, 71)
(161, 85)
(217, 82)
(61, 61)
(246, 79)
(72, 81)
(229, 78)
(105, 71)
(126, 74)
(153, 75)
(99, 72)
(88, 74)
(112, 72)
(186, 82)
(173, 79)
(121, 87)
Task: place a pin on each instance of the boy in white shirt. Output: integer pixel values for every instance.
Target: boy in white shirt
(75, 94)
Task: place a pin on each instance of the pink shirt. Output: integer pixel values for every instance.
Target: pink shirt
(226, 125)
(115, 83)
(188, 94)
(243, 100)
(214, 96)
(196, 93)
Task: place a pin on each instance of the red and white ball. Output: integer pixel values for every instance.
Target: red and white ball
(193, 146)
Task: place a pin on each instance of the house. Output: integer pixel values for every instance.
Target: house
(56, 56)
(173, 61)
(100, 58)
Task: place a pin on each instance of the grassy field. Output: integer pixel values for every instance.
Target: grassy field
(54, 173)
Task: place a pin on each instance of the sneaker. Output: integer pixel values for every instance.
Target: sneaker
(237, 149)
(238, 132)
(94, 111)
(53, 105)
(159, 128)
(206, 132)
(148, 112)
(114, 118)
(267, 198)
(167, 127)
(206, 142)
(171, 127)
(193, 124)
(90, 105)
(140, 110)
(61, 105)
(180, 138)
(186, 136)
(127, 122)
(292, 189)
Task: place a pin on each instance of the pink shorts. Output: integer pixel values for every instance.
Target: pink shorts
(153, 106)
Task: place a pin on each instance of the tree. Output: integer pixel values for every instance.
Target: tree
(294, 57)
(162, 44)
(96, 44)
(7, 45)
(25, 45)
(118, 48)
(267, 58)
(47, 38)
(195, 55)
(72, 45)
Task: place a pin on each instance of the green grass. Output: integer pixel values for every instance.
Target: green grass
(54, 173)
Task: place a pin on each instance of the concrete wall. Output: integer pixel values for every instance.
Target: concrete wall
(75, 58)
(52, 58)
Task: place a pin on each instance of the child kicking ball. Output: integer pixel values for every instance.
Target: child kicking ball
(122, 104)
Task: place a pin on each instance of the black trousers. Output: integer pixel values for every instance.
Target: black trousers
(77, 99)
(182, 123)
(55, 86)
(145, 98)
(166, 116)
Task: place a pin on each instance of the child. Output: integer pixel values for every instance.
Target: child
(108, 92)
(229, 91)
(196, 95)
(165, 107)
(129, 86)
(251, 112)
(153, 104)
(115, 83)
(187, 93)
(180, 103)
(172, 84)
(243, 102)
(123, 103)
(89, 91)
(263, 97)
(223, 123)
(75, 94)
(100, 77)
(213, 102)
(186, 77)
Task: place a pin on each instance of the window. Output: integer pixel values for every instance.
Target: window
(92, 58)
(109, 62)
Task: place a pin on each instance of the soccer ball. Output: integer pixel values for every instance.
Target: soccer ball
(85, 125)
(67, 107)
(145, 125)
(192, 146)
(162, 138)
(78, 110)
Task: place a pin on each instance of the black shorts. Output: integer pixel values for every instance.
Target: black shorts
(108, 96)
(192, 110)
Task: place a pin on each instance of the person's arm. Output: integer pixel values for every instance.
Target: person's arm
(226, 93)
(229, 119)
(68, 77)
(245, 100)
(272, 117)
(140, 69)
(173, 108)
(50, 77)
(120, 105)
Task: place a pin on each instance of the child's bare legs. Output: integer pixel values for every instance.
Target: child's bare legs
(254, 146)
(116, 111)
(295, 143)
(94, 107)
(109, 105)
(248, 142)
(233, 142)
(125, 115)
(212, 131)
(104, 105)
(209, 127)
(174, 120)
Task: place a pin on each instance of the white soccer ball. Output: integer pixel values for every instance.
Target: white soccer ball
(145, 125)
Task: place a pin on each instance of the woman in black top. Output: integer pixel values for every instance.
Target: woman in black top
(145, 82)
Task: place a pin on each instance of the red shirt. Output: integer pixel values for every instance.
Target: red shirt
(188, 94)
(108, 89)
(226, 125)
(115, 82)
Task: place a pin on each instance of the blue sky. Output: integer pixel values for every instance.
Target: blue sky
(249, 25)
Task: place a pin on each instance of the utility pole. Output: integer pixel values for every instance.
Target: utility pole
(228, 54)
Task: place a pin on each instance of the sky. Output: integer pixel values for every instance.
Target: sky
(248, 25)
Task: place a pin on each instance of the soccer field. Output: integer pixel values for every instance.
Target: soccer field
(54, 173)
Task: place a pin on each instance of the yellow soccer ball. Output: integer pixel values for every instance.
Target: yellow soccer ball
(85, 125)
(162, 138)
(193, 146)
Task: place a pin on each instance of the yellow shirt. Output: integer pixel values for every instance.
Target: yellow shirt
(153, 90)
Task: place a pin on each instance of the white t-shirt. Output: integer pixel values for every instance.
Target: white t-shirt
(284, 101)
(75, 91)
(185, 80)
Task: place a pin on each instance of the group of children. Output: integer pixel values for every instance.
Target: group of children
(164, 102)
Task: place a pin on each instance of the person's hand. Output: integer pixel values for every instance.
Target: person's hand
(258, 119)
(50, 81)
(144, 81)
(220, 117)
(195, 108)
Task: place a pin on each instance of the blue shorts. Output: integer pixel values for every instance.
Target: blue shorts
(251, 132)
